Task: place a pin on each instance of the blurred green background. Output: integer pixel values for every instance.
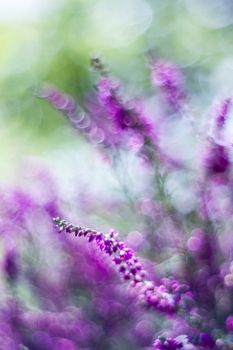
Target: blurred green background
(51, 41)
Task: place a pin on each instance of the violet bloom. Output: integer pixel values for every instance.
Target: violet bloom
(222, 112)
(170, 81)
(216, 159)
(202, 341)
(59, 100)
(75, 115)
(126, 117)
(55, 285)
(167, 298)
(167, 344)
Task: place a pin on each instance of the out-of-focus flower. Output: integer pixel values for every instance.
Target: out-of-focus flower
(167, 344)
(77, 117)
(126, 116)
(221, 112)
(216, 159)
(170, 81)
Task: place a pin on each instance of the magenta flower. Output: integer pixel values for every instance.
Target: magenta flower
(167, 344)
(76, 116)
(216, 160)
(182, 296)
(222, 112)
(167, 297)
(127, 116)
(170, 81)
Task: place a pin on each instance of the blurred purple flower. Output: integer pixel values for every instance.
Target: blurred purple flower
(216, 159)
(170, 81)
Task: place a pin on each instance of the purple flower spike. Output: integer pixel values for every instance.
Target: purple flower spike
(167, 298)
(170, 81)
(75, 115)
(125, 116)
(222, 112)
(60, 101)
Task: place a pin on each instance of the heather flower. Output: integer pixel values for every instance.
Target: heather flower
(170, 81)
(215, 198)
(165, 298)
(107, 92)
(216, 159)
(111, 121)
(221, 112)
(167, 344)
(125, 116)
(203, 341)
(90, 122)
(54, 287)
(77, 117)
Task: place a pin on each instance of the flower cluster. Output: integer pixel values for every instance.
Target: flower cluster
(61, 293)
(203, 341)
(44, 300)
(167, 344)
(106, 119)
(166, 297)
(77, 117)
(125, 117)
(191, 297)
